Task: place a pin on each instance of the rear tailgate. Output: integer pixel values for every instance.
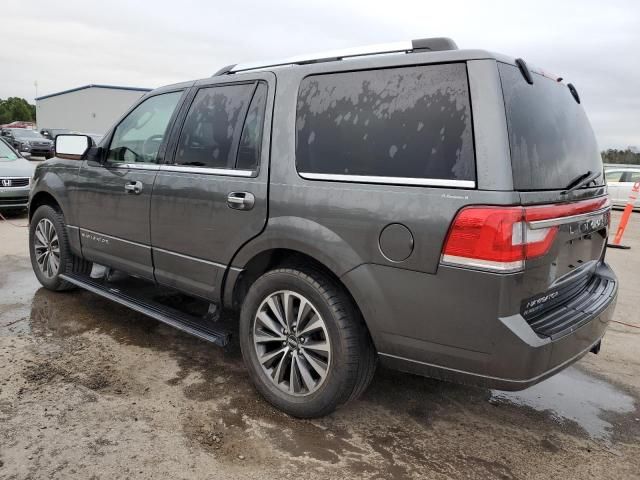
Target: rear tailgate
(552, 144)
(567, 270)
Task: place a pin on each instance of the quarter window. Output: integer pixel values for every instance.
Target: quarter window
(214, 125)
(251, 140)
(411, 122)
(137, 139)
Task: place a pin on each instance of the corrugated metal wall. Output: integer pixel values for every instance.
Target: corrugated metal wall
(92, 110)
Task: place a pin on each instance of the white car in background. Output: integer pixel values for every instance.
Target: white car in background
(620, 180)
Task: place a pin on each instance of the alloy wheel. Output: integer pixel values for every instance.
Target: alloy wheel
(47, 248)
(291, 342)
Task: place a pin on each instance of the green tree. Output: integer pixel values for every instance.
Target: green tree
(621, 156)
(15, 109)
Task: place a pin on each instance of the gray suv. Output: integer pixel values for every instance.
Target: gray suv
(441, 211)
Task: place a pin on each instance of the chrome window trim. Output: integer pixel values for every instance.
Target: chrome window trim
(132, 166)
(554, 222)
(424, 182)
(231, 172)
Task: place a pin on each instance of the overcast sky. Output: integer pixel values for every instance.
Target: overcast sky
(69, 43)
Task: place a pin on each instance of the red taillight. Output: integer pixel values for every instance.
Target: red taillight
(502, 238)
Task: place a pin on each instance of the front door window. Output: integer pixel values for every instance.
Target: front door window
(139, 136)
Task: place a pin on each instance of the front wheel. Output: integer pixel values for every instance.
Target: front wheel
(304, 343)
(49, 249)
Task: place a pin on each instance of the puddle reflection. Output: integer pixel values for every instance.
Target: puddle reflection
(574, 395)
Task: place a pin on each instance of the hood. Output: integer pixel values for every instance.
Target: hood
(19, 167)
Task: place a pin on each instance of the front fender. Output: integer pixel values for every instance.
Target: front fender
(55, 177)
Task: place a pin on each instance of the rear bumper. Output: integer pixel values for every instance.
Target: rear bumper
(448, 326)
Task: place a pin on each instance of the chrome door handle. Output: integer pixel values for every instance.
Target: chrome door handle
(241, 200)
(133, 187)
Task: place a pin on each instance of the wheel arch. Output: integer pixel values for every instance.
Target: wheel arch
(238, 282)
(43, 197)
(290, 236)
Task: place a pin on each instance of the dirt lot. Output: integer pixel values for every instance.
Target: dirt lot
(89, 389)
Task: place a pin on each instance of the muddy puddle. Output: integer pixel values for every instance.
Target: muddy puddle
(573, 395)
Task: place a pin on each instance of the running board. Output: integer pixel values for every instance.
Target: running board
(191, 324)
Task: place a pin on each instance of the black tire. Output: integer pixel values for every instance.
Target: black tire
(68, 262)
(353, 357)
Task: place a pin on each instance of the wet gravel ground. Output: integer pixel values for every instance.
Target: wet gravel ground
(90, 389)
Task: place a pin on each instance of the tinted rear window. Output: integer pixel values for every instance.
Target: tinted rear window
(412, 122)
(551, 140)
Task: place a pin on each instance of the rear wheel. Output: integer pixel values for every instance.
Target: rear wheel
(49, 249)
(304, 342)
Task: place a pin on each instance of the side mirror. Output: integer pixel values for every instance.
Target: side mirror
(72, 147)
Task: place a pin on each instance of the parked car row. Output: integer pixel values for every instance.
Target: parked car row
(16, 173)
(31, 143)
(28, 142)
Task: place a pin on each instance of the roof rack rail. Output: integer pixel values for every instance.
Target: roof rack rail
(418, 45)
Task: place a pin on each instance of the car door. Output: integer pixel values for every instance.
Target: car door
(210, 197)
(629, 178)
(112, 197)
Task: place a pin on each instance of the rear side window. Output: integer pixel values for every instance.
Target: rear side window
(410, 122)
(213, 126)
(632, 177)
(613, 176)
(551, 140)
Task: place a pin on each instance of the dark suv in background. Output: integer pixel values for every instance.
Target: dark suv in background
(28, 142)
(52, 133)
(441, 210)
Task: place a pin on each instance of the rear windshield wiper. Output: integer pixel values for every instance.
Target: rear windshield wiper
(582, 180)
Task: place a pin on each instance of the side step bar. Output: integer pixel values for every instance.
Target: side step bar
(193, 325)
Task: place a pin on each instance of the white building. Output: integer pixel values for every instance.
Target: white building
(88, 109)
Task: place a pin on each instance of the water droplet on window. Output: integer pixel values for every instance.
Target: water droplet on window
(392, 151)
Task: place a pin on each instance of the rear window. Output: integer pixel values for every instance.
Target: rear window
(410, 122)
(551, 140)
